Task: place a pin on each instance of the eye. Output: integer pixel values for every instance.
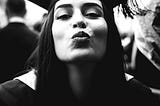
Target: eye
(64, 17)
(92, 15)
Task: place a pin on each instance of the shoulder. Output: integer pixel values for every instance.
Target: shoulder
(140, 93)
(4, 29)
(16, 93)
(135, 84)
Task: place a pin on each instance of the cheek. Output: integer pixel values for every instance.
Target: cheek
(58, 32)
(100, 30)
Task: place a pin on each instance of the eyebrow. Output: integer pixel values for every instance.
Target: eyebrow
(92, 5)
(64, 6)
(85, 5)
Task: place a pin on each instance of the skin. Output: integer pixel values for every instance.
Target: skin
(79, 54)
(63, 30)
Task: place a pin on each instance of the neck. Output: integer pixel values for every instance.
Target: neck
(80, 76)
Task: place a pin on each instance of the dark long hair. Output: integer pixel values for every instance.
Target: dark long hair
(108, 81)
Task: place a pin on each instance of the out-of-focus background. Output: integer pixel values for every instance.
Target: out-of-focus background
(34, 13)
(127, 27)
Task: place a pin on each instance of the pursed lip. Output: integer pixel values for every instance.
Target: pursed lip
(81, 35)
(81, 40)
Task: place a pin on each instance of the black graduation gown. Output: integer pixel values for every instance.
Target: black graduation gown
(17, 93)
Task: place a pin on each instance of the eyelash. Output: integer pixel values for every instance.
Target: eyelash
(64, 17)
(91, 15)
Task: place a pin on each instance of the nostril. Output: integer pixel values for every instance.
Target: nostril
(75, 25)
(83, 25)
(80, 25)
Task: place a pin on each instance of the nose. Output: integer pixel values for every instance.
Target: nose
(79, 20)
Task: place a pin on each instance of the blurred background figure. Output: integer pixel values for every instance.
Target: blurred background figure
(145, 54)
(17, 41)
(125, 27)
(38, 25)
(3, 18)
(31, 18)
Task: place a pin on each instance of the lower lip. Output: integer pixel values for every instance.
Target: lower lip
(81, 42)
(81, 38)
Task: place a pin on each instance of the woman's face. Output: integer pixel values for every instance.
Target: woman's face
(79, 30)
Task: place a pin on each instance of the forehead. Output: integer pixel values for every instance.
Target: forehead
(77, 2)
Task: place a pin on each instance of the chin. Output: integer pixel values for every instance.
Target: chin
(83, 56)
(83, 53)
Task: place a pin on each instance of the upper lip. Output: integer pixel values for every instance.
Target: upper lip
(80, 34)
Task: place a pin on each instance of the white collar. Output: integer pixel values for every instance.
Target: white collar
(16, 19)
(128, 76)
(29, 79)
